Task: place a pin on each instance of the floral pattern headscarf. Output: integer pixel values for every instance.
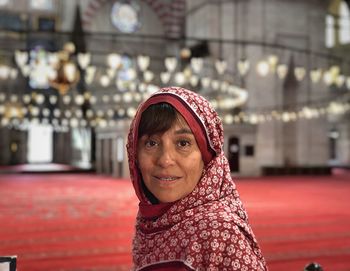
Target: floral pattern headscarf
(208, 229)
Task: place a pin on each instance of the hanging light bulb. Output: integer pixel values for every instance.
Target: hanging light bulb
(53, 99)
(180, 78)
(57, 112)
(67, 113)
(315, 75)
(21, 58)
(328, 78)
(243, 66)
(13, 98)
(70, 72)
(335, 71)
(263, 68)
(79, 99)
(105, 80)
(165, 77)
(299, 73)
(196, 64)
(127, 97)
(148, 76)
(69, 47)
(220, 66)
(34, 111)
(46, 112)
(131, 74)
(286, 117)
(25, 70)
(66, 99)
(340, 80)
(170, 63)
(185, 53)
(272, 60)
(90, 74)
(205, 81)
(84, 60)
(143, 62)
(194, 80)
(282, 70)
(228, 119)
(13, 73)
(40, 99)
(215, 84)
(4, 72)
(114, 61)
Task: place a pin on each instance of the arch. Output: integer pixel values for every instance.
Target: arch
(171, 14)
(344, 23)
(337, 23)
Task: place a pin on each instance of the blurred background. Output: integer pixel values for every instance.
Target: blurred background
(72, 74)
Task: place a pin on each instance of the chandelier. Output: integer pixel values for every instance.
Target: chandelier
(117, 82)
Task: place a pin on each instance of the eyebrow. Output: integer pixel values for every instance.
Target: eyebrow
(184, 131)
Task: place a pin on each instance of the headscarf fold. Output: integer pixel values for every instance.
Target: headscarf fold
(208, 229)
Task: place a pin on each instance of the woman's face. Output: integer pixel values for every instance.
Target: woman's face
(170, 163)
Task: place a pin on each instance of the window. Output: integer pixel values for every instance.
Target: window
(249, 150)
(12, 22)
(338, 25)
(344, 23)
(4, 2)
(46, 24)
(42, 4)
(330, 33)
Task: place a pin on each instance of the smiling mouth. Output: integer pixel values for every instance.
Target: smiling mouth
(167, 179)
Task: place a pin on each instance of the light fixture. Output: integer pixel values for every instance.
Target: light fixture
(273, 61)
(299, 73)
(263, 68)
(221, 66)
(114, 60)
(170, 63)
(243, 66)
(196, 64)
(143, 62)
(84, 60)
(328, 78)
(316, 75)
(340, 80)
(282, 70)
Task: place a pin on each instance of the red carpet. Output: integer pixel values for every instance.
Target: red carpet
(85, 222)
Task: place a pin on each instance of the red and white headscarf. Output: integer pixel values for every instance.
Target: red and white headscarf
(208, 229)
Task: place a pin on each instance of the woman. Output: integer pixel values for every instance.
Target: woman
(190, 215)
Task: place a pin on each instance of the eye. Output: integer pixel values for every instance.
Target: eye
(183, 143)
(150, 143)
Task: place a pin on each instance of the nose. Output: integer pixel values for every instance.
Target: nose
(165, 157)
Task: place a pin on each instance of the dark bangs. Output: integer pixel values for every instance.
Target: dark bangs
(157, 118)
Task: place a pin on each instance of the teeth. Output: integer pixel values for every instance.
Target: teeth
(168, 179)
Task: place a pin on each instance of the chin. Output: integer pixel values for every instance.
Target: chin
(169, 199)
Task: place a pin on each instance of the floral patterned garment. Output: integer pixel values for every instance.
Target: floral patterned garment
(206, 230)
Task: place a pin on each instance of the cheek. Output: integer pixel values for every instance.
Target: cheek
(142, 162)
(195, 168)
